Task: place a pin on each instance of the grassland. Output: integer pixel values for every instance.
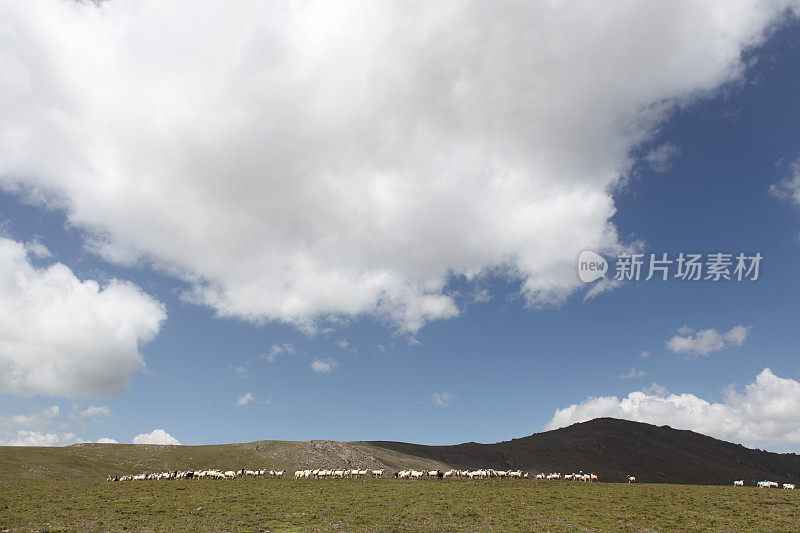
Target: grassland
(262, 504)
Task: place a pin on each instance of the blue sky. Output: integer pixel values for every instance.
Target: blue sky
(407, 254)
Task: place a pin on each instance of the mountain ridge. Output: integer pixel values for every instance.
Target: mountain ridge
(611, 448)
(615, 448)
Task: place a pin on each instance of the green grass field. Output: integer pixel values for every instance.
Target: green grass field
(262, 504)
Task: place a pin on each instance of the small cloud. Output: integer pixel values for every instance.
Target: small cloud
(633, 373)
(26, 437)
(95, 413)
(655, 390)
(599, 287)
(106, 440)
(481, 295)
(703, 342)
(240, 371)
(321, 366)
(276, 350)
(244, 400)
(789, 188)
(660, 158)
(644, 354)
(157, 436)
(737, 335)
(443, 399)
(37, 249)
(40, 419)
(40, 428)
(342, 343)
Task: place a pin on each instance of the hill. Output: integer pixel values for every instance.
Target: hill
(614, 449)
(91, 461)
(609, 447)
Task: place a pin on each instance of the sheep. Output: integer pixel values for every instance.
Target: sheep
(377, 473)
(789, 486)
(631, 479)
(738, 483)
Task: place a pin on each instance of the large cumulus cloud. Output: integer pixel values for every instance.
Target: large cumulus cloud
(63, 336)
(296, 160)
(767, 412)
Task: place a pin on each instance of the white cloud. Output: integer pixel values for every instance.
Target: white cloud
(311, 159)
(481, 295)
(63, 336)
(157, 436)
(633, 373)
(655, 389)
(39, 419)
(660, 158)
(35, 429)
(245, 399)
(705, 341)
(106, 440)
(644, 354)
(26, 437)
(95, 412)
(766, 413)
(321, 366)
(789, 188)
(37, 249)
(342, 343)
(443, 399)
(276, 350)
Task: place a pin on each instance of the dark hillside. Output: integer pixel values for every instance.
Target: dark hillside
(614, 449)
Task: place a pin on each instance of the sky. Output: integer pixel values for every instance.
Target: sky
(363, 221)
